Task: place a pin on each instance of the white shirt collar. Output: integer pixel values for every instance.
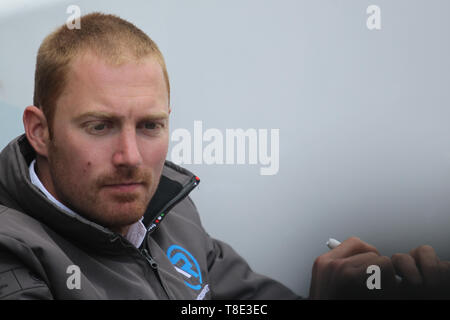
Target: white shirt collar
(136, 232)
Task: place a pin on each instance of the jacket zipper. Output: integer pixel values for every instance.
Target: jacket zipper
(149, 258)
(180, 196)
(155, 224)
(153, 264)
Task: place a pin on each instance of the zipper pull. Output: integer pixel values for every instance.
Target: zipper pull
(150, 260)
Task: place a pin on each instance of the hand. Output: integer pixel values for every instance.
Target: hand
(341, 272)
(424, 275)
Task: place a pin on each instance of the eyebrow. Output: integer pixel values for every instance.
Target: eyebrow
(160, 115)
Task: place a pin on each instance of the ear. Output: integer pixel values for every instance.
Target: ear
(36, 129)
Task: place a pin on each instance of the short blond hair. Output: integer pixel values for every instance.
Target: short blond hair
(106, 35)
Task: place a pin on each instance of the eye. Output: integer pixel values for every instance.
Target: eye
(97, 127)
(150, 125)
(151, 128)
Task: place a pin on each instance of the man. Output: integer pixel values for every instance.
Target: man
(90, 209)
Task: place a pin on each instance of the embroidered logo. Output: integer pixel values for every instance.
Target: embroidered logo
(185, 263)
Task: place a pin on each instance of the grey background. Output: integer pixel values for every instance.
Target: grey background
(363, 116)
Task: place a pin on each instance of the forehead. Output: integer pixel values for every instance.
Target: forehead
(94, 81)
(90, 59)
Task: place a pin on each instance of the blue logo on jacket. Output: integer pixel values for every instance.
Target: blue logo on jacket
(185, 263)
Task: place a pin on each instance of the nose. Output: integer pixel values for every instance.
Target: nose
(127, 152)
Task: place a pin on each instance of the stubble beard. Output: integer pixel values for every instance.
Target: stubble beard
(115, 211)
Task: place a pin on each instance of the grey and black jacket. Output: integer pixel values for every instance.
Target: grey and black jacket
(46, 253)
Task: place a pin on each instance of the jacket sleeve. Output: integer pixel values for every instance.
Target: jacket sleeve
(230, 277)
(17, 282)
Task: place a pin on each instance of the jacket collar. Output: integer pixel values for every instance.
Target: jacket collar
(17, 192)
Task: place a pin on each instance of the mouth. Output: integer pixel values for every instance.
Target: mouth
(124, 186)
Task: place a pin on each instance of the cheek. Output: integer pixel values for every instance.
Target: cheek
(79, 160)
(87, 167)
(83, 164)
(91, 169)
(95, 158)
(155, 155)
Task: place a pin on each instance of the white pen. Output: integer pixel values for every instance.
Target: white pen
(333, 243)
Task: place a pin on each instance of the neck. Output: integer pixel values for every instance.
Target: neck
(41, 168)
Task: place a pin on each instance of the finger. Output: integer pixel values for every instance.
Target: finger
(350, 247)
(330, 274)
(319, 279)
(351, 270)
(427, 262)
(361, 260)
(425, 255)
(406, 267)
(364, 272)
(314, 289)
(364, 260)
(354, 268)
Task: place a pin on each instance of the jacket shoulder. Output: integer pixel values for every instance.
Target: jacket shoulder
(19, 225)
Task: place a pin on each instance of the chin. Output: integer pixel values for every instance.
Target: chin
(119, 223)
(120, 216)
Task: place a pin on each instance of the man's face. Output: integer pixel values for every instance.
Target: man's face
(110, 139)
